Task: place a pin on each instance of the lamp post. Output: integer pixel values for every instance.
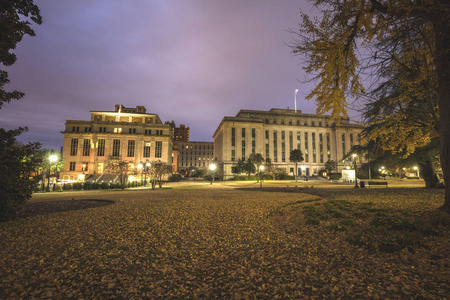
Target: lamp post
(140, 167)
(303, 169)
(417, 171)
(51, 159)
(147, 165)
(356, 178)
(212, 167)
(261, 168)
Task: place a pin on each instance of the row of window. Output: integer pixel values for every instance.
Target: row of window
(117, 130)
(297, 145)
(115, 151)
(298, 123)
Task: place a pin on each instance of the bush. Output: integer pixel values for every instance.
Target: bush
(335, 176)
(78, 186)
(175, 178)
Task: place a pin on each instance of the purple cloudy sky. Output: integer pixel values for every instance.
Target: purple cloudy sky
(192, 61)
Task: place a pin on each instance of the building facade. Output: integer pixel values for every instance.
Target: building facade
(275, 133)
(126, 134)
(194, 154)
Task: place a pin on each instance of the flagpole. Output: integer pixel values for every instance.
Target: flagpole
(295, 97)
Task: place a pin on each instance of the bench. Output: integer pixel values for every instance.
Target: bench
(369, 183)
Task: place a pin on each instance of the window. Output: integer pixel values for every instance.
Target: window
(328, 147)
(290, 122)
(101, 147)
(233, 137)
(351, 140)
(147, 146)
(243, 132)
(306, 148)
(275, 147)
(102, 129)
(343, 145)
(72, 166)
(291, 141)
(233, 155)
(116, 148)
(131, 144)
(253, 141)
(283, 147)
(243, 148)
(73, 147)
(313, 137)
(298, 139)
(321, 147)
(132, 130)
(282, 121)
(158, 149)
(117, 130)
(86, 147)
(313, 123)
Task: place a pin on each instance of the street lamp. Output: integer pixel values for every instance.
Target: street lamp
(147, 165)
(51, 159)
(354, 155)
(261, 168)
(417, 171)
(212, 167)
(140, 166)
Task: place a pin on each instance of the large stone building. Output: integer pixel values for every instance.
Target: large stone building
(125, 134)
(195, 154)
(275, 133)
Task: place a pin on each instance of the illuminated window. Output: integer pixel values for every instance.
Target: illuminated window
(117, 130)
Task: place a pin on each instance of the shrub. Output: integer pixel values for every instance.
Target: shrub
(175, 178)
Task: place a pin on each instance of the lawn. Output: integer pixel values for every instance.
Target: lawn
(222, 242)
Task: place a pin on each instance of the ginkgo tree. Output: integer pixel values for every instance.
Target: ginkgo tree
(401, 49)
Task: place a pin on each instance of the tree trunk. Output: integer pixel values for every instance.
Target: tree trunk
(441, 24)
(426, 169)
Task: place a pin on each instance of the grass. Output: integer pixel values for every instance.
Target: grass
(215, 242)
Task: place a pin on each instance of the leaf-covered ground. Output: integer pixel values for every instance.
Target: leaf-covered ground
(224, 243)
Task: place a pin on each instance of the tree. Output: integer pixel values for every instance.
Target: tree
(258, 160)
(296, 156)
(330, 165)
(14, 25)
(161, 169)
(120, 167)
(239, 167)
(336, 61)
(17, 163)
(249, 166)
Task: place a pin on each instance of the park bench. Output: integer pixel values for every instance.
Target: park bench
(369, 183)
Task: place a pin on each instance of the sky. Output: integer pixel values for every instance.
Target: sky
(191, 61)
